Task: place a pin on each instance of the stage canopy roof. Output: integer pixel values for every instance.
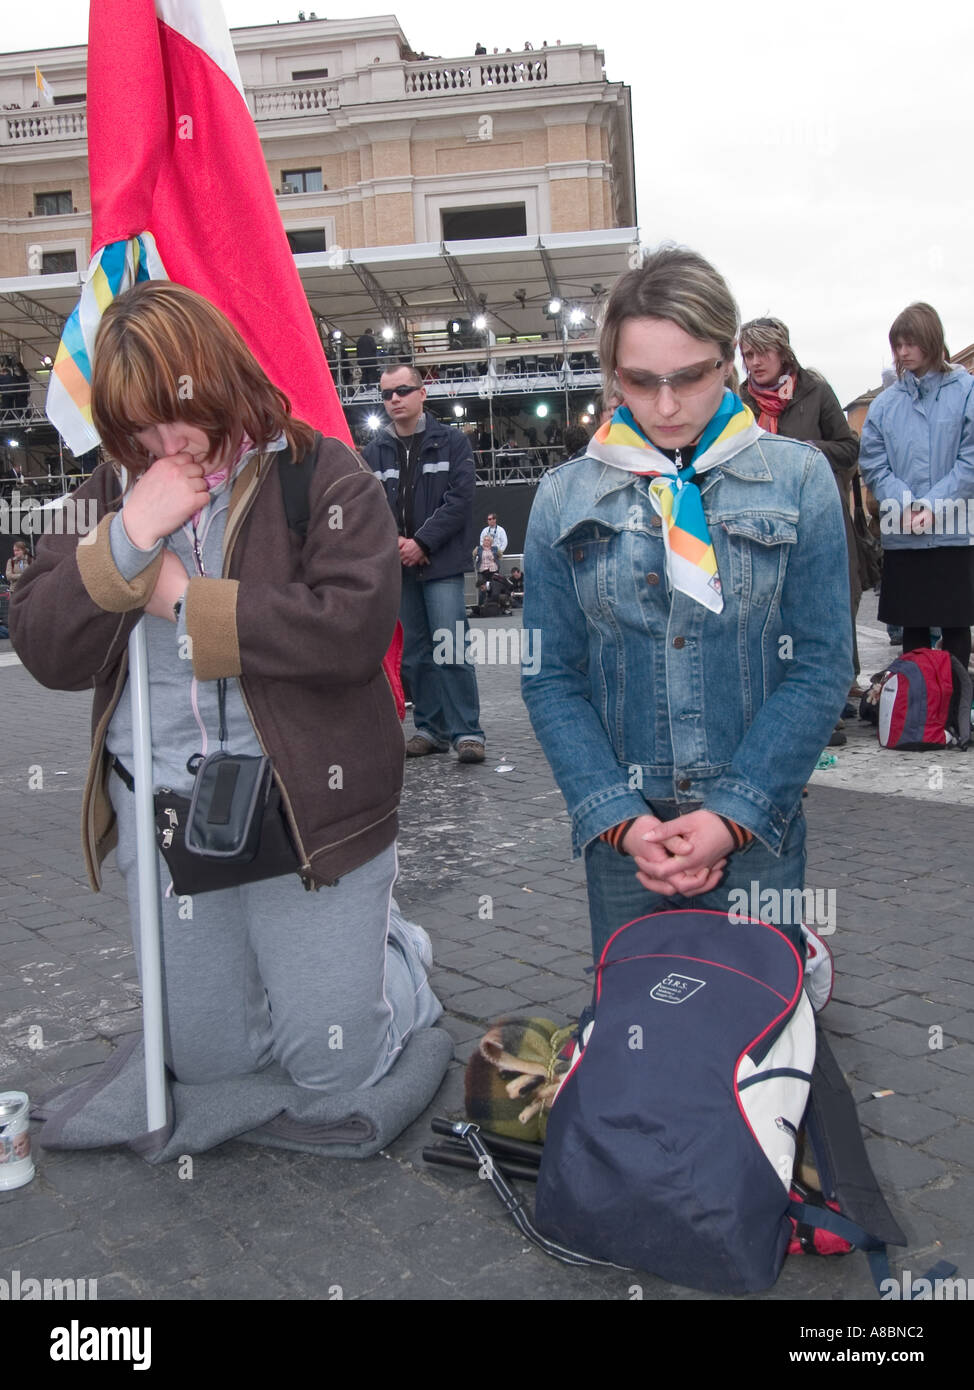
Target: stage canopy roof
(510, 280)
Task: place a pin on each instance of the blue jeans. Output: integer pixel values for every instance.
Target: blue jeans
(446, 703)
(615, 895)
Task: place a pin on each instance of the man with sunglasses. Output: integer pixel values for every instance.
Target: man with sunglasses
(427, 470)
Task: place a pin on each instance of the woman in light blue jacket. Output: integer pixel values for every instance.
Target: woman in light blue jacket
(917, 457)
(689, 584)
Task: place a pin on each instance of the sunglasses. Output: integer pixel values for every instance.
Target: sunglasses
(689, 381)
(399, 391)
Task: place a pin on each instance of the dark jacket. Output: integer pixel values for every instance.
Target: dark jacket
(442, 518)
(303, 626)
(814, 415)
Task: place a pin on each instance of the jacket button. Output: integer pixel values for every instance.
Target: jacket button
(679, 641)
(579, 555)
(656, 521)
(652, 579)
(684, 784)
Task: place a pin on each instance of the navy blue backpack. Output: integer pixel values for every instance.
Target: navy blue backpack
(671, 1142)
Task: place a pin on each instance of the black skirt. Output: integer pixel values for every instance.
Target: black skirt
(928, 588)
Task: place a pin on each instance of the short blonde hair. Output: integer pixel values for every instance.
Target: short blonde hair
(677, 284)
(165, 353)
(769, 335)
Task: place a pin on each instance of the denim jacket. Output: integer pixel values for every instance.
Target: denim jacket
(918, 444)
(643, 694)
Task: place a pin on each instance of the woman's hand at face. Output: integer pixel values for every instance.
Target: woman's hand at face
(696, 852)
(169, 492)
(170, 586)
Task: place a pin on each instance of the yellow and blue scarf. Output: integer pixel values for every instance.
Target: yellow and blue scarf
(691, 563)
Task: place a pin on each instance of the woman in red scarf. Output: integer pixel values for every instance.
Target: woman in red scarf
(792, 401)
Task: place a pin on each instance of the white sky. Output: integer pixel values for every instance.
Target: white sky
(819, 153)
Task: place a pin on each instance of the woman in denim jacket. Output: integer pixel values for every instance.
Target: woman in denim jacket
(917, 457)
(690, 588)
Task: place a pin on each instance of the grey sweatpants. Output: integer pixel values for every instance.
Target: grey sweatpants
(328, 984)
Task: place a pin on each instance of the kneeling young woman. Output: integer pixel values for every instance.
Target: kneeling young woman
(194, 534)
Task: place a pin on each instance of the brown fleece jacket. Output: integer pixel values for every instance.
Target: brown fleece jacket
(303, 625)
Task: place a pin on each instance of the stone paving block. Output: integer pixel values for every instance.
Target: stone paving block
(923, 983)
(64, 1254)
(882, 1071)
(915, 957)
(960, 1058)
(180, 1252)
(61, 931)
(27, 1213)
(146, 1206)
(853, 963)
(347, 1261)
(859, 991)
(460, 958)
(910, 1007)
(488, 1003)
(961, 945)
(847, 1020)
(899, 1039)
(959, 970)
(461, 1030)
(503, 972)
(899, 1117)
(17, 954)
(540, 953)
(11, 932)
(902, 1167)
(952, 1202)
(959, 1028)
(69, 1055)
(119, 1287)
(546, 988)
(956, 1144)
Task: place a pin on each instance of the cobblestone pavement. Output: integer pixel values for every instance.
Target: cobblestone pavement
(256, 1223)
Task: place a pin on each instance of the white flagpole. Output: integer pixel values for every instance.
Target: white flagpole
(150, 926)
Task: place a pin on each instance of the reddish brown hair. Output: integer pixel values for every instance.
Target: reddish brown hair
(165, 353)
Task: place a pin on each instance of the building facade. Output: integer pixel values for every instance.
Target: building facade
(367, 144)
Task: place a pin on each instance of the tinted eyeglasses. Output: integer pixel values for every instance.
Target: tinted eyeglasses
(688, 381)
(399, 391)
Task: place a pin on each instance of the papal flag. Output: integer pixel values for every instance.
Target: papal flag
(44, 94)
(179, 189)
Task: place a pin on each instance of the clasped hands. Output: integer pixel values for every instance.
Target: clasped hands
(412, 553)
(687, 855)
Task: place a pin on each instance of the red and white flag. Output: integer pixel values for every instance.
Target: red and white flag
(173, 152)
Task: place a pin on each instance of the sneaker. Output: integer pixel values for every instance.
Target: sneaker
(470, 751)
(838, 739)
(418, 747)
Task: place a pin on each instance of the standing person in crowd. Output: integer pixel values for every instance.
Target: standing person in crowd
(18, 562)
(270, 646)
(366, 355)
(795, 402)
(427, 470)
(689, 584)
(917, 457)
(497, 534)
